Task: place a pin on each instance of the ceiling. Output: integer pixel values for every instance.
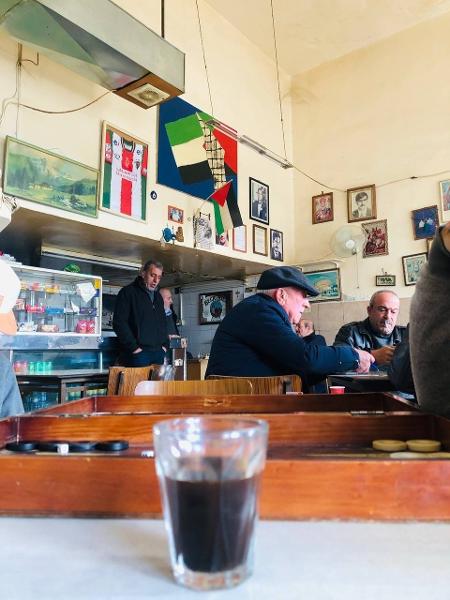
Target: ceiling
(312, 32)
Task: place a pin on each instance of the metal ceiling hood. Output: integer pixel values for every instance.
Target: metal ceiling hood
(101, 42)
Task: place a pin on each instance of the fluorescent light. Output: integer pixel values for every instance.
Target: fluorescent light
(256, 146)
(53, 251)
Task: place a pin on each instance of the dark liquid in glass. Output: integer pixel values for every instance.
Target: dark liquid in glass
(212, 521)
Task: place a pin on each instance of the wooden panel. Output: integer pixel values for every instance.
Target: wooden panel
(176, 388)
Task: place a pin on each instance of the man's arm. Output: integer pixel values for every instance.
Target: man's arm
(10, 400)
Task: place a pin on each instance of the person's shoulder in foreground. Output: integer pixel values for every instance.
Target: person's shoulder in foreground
(257, 337)
(10, 400)
(430, 328)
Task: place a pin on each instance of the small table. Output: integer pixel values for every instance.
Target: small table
(362, 382)
(80, 380)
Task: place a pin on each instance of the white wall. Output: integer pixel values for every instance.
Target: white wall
(244, 93)
(374, 116)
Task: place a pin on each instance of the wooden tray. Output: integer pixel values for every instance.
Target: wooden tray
(320, 465)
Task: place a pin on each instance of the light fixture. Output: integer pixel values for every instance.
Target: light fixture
(244, 139)
(102, 42)
(55, 252)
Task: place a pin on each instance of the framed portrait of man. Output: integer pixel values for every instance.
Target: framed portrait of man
(322, 208)
(259, 201)
(276, 245)
(361, 203)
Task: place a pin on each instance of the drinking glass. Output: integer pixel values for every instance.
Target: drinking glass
(209, 473)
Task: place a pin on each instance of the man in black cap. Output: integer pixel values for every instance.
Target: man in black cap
(257, 339)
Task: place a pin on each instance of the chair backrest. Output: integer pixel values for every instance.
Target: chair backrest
(278, 384)
(179, 388)
(123, 380)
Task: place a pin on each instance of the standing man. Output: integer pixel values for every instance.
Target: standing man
(171, 317)
(139, 318)
(10, 400)
(257, 337)
(378, 334)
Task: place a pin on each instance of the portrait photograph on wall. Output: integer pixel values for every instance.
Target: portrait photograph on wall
(214, 307)
(259, 201)
(123, 171)
(322, 208)
(259, 240)
(327, 283)
(41, 176)
(276, 245)
(444, 187)
(425, 220)
(412, 265)
(376, 238)
(361, 203)
(175, 214)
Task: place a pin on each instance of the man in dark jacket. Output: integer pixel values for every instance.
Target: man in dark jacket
(378, 334)
(257, 338)
(139, 319)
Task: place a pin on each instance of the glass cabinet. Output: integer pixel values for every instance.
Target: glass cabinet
(58, 303)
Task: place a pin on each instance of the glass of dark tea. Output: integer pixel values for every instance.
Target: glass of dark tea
(209, 472)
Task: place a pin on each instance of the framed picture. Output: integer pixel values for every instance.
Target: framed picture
(384, 280)
(41, 176)
(214, 307)
(444, 187)
(361, 203)
(175, 214)
(425, 220)
(259, 201)
(259, 240)
(322, 208)
(123, 174)
(412, 265)
(240, 238)
(327, 283)
(376, 238)
(223, 239)
(276, 245)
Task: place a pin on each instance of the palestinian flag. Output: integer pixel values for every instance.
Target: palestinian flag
(187, 142)
(226, 209)
(124, 176)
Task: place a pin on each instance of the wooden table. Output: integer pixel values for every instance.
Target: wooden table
(362, 382)
(320, 463)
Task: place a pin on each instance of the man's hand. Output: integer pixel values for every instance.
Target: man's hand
(365, 360)
(383, 356)
(137, 351)
(304, 328)
(446, 236)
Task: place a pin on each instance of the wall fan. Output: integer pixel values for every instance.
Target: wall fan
(347, 241)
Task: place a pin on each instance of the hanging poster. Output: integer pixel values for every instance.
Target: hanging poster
(123, 174)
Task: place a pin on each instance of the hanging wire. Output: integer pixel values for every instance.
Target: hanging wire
(204, 57)
(64, 112)
(278, 79)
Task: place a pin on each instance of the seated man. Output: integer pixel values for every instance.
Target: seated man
(10, 400)
(257, 337)
(430, 328)
(378, 334)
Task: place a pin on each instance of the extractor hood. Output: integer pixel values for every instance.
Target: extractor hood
(101, 42)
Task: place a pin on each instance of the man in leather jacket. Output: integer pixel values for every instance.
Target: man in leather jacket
(378, 334)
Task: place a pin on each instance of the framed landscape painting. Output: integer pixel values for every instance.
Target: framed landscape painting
(42, 176)
(124, 174)
(327, 283)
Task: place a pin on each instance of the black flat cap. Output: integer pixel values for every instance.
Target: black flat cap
(279, 277)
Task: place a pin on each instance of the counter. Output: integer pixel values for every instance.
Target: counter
(93, 559)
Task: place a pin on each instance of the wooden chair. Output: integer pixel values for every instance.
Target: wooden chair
(123, 380)
(181, 388)
(278, 384)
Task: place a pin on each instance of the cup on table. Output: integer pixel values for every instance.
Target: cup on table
(337, 389)
(209, 471)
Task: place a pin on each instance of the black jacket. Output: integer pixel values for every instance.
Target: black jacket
(256, 339)
(139, 322)
(359, 334)
(399, 369)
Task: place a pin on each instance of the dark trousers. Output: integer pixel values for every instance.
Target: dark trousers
(144, 358)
